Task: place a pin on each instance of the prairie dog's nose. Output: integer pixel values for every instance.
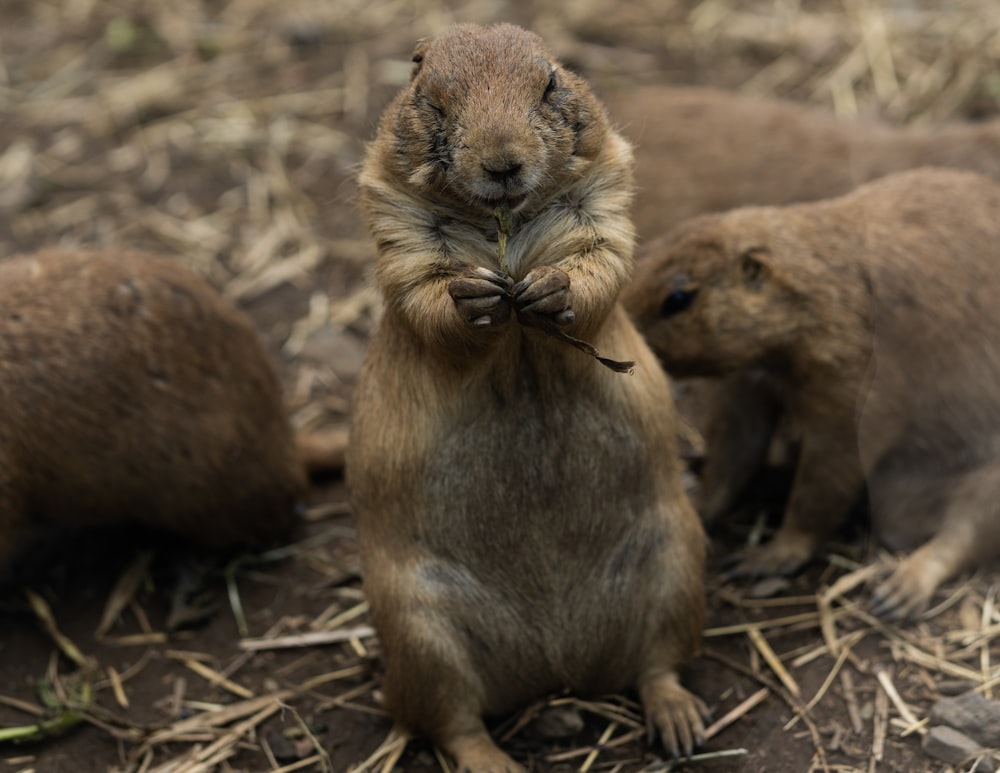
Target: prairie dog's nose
(501, 171)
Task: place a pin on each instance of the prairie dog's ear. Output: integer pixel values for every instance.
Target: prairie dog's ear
(754, 266)
(418, 56)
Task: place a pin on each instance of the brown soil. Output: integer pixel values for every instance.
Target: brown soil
(228, 132)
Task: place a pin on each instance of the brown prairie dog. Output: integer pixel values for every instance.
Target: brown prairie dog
(522, 520)
(132, 392)
(702, 150)
(872, 320)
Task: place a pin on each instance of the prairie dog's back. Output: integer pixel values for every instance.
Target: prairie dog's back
(133, 391)
(909, 245)
(702, 150)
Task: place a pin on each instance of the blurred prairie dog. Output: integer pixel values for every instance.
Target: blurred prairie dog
(132, 392)
(872, 322)
(522, 520)
(701, 150)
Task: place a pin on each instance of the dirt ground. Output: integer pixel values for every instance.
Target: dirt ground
(227, 133)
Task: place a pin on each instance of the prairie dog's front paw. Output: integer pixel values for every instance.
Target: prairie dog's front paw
(482, 297)
(909, 588)
(544, 293)
(786, 553)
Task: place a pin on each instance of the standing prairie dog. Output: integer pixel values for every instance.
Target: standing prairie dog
(522, 521)
(872, 321)
(132, 392)
(701, 150)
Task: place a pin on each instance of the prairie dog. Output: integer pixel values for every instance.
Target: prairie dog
(132, 392)
(701, 150)
(522, 521)
(872, 320)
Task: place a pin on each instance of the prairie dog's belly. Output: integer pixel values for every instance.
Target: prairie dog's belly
(543, 529)
(540, 529)
(534, 622)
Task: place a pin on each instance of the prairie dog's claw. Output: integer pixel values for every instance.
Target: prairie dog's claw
(545, 291)
(482, 297)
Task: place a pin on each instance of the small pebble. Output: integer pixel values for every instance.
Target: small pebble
(557, 722)
(971, 713)
(949, 745)
(768, 587)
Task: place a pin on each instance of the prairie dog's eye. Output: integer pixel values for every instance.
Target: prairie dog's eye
(551, 85)
(680, 297)
(676, 302)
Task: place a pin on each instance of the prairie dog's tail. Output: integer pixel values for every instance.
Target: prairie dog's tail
(322, 451)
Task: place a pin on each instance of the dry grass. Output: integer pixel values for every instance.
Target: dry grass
(227, 133)
(207, 732)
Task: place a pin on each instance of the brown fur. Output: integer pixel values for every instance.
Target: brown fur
(702, 150)
(871, 320)
(132, 392)
(522, 520)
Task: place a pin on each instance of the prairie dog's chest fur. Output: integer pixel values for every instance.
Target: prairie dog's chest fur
(484, 123)
(583, 213)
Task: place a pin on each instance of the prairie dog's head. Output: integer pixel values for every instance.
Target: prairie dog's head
(490, 116)
(713, 296)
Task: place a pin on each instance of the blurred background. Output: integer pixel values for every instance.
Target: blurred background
(228, 133)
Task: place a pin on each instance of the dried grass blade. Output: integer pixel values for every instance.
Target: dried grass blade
(758, 640)
(905, 712)
(213, 719)
(390, 749)
(44, 614)
(880, 726)
(116, 687)
(776, 622)
(235, 600)
(631, 735)
(28, 708)
(338, 620)
(735, 713)
(851, 699)
(310, 639)
(123, 592)
(303, 763)
(841, 658)
(984, 654)
(601, 742)
(213, 676)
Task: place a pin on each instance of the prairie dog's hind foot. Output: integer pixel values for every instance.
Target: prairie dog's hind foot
(908, 589)
(784, 554)
(477, 753)
(676, 714)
